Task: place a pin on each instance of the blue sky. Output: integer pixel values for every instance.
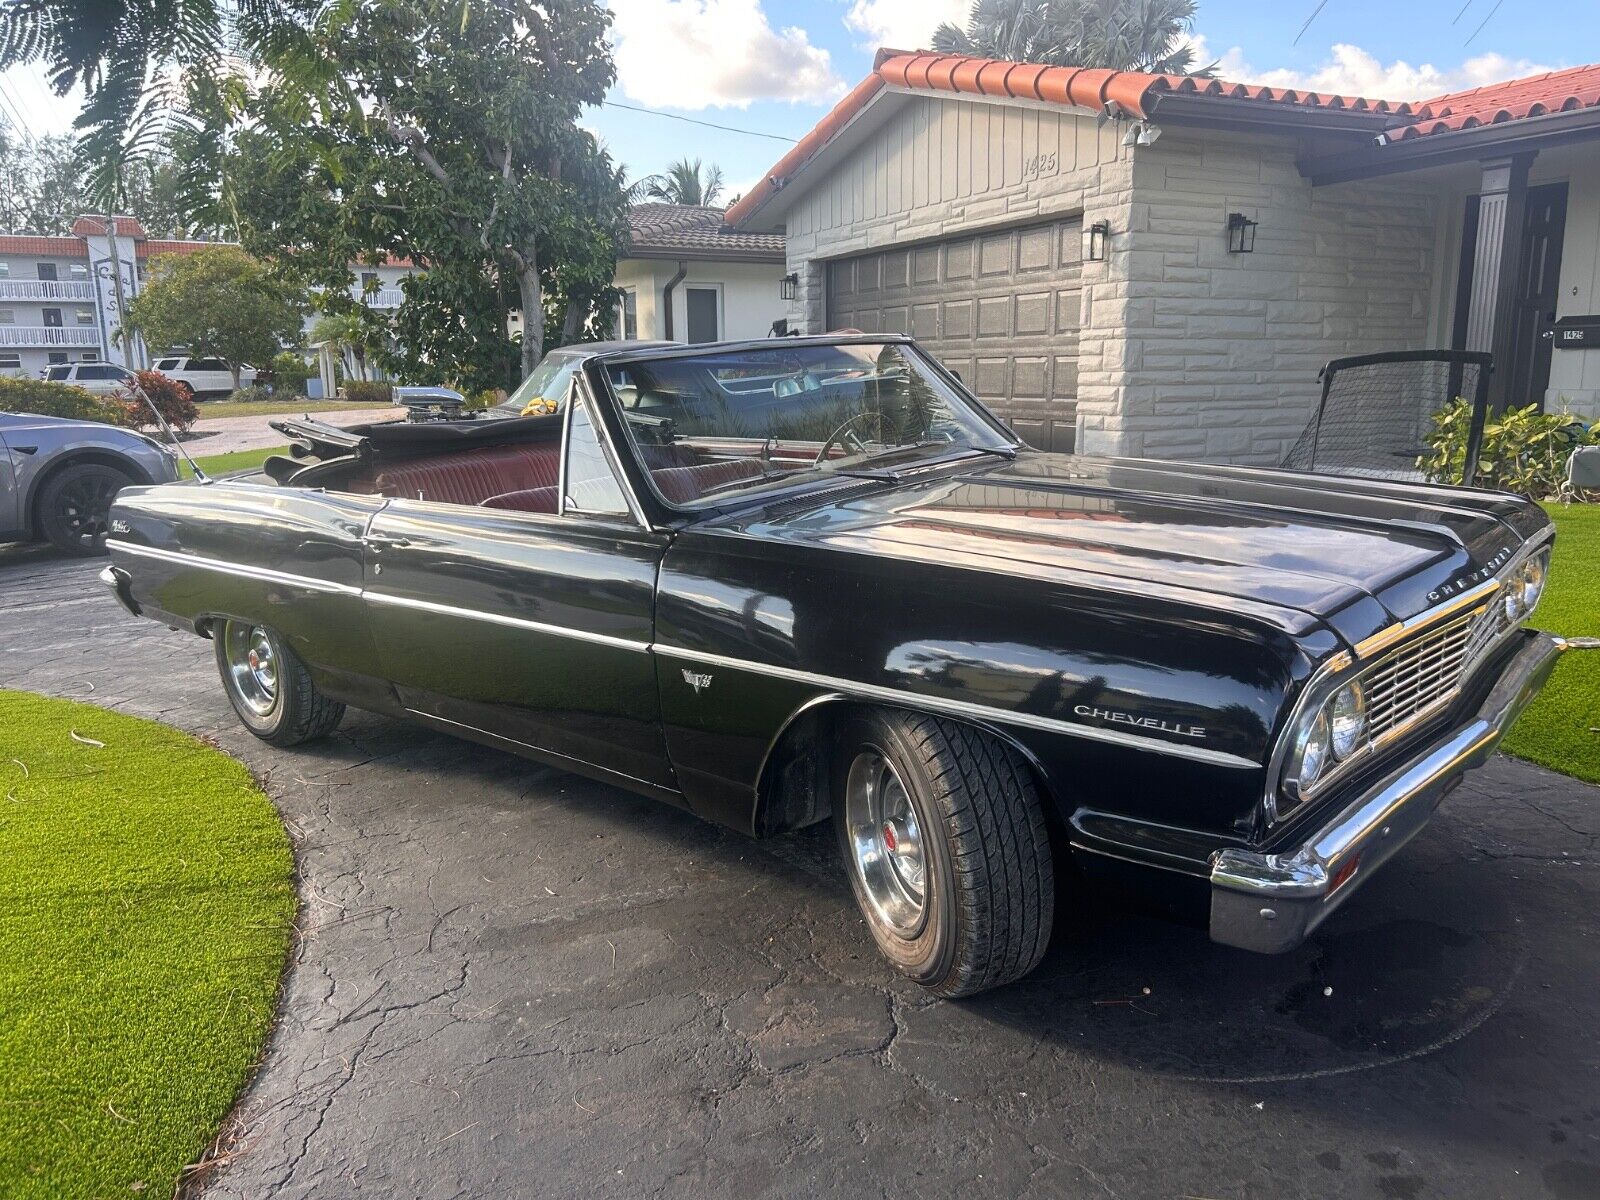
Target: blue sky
(775, 66)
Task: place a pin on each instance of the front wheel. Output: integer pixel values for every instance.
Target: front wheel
(269, 687)
(943, 834)
(75, 506)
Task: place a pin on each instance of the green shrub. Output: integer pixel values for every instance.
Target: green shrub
(174, 403)
(287, 373)
(1523, 450)
(22, 395)
(253, 394)
(365, 391)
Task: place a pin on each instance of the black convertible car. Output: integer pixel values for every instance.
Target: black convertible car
(783, 581)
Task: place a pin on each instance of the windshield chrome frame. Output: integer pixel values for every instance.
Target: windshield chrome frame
(596, 370)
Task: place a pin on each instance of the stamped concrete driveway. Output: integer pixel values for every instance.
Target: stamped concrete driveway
(512, 982)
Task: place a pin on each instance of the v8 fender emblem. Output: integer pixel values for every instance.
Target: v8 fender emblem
(698, 682)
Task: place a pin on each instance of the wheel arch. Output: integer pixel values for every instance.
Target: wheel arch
(792, 785)
(89, 455)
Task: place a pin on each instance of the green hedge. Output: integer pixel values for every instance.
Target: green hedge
(57, 400)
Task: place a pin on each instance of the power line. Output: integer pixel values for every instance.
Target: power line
(777, 137)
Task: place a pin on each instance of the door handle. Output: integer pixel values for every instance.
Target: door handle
(379, 542)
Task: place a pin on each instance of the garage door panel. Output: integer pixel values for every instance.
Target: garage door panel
(958, 324)
(1002, 310)
(994, 317)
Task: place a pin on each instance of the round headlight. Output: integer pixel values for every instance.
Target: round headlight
(1531, 581)
(1311, 753)
(1347, 720)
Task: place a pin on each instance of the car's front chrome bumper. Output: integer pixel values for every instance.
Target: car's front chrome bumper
(1272, 902)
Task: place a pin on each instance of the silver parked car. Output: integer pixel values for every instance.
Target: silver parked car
(59, 476)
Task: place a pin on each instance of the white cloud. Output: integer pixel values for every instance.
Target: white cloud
(695, 54)
(904, 24)
(1352, 71)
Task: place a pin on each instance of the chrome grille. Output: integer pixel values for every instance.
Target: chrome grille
(1419, 675)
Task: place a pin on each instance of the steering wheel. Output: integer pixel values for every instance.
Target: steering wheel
(837, 437)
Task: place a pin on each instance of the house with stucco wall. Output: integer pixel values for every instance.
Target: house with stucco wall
(687, 276)
(1158, 265)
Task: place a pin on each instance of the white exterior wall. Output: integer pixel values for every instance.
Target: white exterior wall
(751, 299)
(71, 293)
(938, 168)
(1224, 349)
(1575, 374)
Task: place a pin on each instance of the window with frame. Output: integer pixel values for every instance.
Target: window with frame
(58, 367)
(589, 485)
(10, 362)
(5, 270)
(79, 271)
(628, 314)
(90, 356)
(85, 316)
(47, 271)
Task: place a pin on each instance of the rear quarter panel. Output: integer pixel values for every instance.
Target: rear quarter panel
(290, 558)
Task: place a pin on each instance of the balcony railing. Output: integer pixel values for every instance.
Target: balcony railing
(382, 298)
(24, 336)
(45, 289)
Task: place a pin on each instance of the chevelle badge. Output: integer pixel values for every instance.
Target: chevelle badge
(1153, 723)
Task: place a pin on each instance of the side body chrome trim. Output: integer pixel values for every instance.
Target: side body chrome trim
(580, 635)
(265, 574)
(889, 695)
(962, 708)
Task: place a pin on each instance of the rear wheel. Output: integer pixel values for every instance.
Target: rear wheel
(269, 687)
(74, 508)
(944, 839)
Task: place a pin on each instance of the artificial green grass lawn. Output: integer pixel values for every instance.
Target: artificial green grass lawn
(145, 910)
(237, 460)
(1558, 730)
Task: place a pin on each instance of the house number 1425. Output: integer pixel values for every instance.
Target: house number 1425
(1039, 164)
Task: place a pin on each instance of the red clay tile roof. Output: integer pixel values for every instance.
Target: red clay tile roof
(44, 247)
(1536, 96)
(93, 226)
(1137, 95)
(690, 231)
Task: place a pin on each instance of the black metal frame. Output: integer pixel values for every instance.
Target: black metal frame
(1458, 359)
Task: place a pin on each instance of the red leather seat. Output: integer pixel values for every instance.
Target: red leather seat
(680, 485)
(473, 476)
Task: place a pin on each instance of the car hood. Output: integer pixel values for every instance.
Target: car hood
(1356, 554)
(18, 421)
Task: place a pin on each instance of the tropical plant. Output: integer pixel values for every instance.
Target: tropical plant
(1523, 450)
(685, 182)
(1122, 35)
(354, 332)
(219, 303)
(288, 372)
(176, 406)
(250, 393)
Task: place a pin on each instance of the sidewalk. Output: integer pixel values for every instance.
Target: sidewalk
(227, 434)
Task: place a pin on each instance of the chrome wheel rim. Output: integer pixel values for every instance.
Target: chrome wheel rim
(886, 843)
(252, 666)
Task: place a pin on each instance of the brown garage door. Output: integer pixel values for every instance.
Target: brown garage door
(1000, 309)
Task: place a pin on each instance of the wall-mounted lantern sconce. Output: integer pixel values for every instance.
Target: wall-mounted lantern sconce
(789, 286)
(1241, 233)
(1099, 237)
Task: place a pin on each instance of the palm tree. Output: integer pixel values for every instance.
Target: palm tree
(1123, 35)
(685, 182)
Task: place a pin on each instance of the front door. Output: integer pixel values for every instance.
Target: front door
(1534, 311)
(533, 626)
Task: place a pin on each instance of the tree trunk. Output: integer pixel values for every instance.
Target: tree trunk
(233, 369)
(573, 322)
(532, 295)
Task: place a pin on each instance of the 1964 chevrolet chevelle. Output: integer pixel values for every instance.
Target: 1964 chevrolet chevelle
(783, 581)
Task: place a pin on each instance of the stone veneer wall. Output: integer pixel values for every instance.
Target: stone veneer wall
(1223, 350)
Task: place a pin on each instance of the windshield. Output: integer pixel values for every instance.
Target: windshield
(544, 391)
(708, 425)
